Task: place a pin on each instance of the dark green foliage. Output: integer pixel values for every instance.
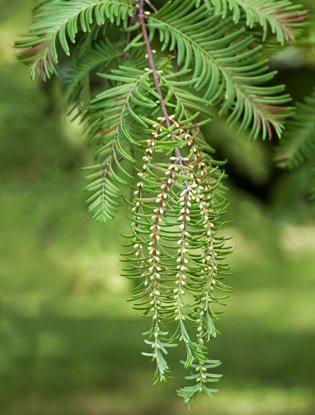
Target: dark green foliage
(298, 142)
(226, 65)
(313, 186)
(58, 22)
(282, 17)
(92, 56)
(297, 151)
(145, 125)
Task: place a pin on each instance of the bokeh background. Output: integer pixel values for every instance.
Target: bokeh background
(70, 343)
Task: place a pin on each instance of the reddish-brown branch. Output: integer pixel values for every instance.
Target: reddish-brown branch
(141, 16)
(151, 5)
(128, 37)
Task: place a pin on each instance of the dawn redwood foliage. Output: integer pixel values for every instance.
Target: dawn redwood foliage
(164, 67)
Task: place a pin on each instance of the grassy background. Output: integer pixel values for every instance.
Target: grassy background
(69, 342)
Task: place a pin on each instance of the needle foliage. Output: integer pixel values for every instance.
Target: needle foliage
(163, 69)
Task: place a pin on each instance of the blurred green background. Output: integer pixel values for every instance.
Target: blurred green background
(70, 343)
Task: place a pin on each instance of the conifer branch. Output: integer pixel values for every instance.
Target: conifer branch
(283, 18)
(145, 127)
(141, 15)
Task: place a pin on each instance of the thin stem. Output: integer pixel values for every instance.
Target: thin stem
(141, 16)
(132, 20)
(151, 5)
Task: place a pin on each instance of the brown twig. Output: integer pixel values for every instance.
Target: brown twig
(151, 5)
(141, 17)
